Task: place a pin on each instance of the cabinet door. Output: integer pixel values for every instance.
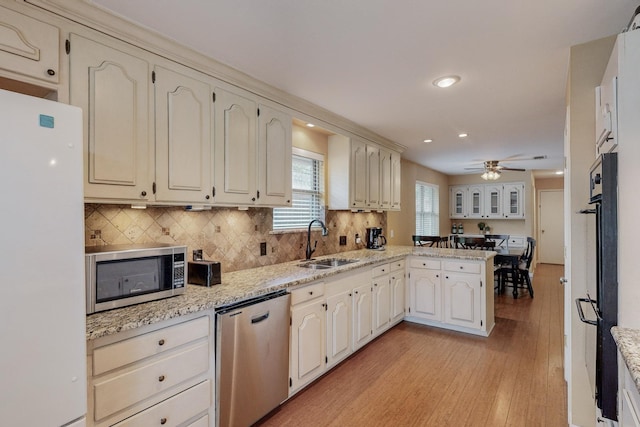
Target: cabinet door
(362, 329)
(338, 327)
(396, 176)
(235, 148)
(28, 46)
(426, 294)
(307, 342)
(373, 177)
(183, 138)
(514, 200)
(385, 179)
(493, 201)
(358, 174)
(274, 157)
(462, 298)
(396, 291)
(476, 201)
(458, 202)
(381, 304)
(111, 85)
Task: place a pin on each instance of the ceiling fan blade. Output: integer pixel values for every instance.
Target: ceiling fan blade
(502, 168)
(474, 169)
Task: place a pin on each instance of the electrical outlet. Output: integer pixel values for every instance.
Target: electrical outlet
(263, 248)
(343, 240)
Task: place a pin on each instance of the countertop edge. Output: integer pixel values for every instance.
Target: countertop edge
(628, 342)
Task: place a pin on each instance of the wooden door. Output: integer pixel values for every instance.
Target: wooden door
(112, 88)
(338, 327)
(235, 148)
(183, 137)
(550, 248)
(274, 157)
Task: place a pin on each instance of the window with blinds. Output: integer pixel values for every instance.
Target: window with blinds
(427, 209)
(307, 201)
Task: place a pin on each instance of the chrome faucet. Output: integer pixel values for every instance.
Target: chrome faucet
(325, 232)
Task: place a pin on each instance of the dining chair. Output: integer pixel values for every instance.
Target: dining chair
(501, 240)
(429, 241)
(479, 243)
(522, 278)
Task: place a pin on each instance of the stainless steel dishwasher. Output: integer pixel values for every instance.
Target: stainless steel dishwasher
(252, 358)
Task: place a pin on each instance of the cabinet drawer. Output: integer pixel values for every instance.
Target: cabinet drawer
(307, 293)
(134, 349)
(175, 410)
(424, 263)
(380, 270)
(462, 267)
(200, 422)
(121, 391)
(397, 265)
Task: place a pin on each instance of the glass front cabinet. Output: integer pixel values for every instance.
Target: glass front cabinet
(490, 201)
(513, 200)
(458, 201)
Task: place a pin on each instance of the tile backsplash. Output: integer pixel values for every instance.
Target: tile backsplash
(227, 235)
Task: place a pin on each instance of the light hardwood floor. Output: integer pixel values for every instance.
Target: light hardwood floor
(416, 375)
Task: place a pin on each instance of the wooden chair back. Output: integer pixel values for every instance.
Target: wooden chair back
(499, 239)
(429, 241)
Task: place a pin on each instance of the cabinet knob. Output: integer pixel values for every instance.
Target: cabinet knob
(461, 268)
(253, 199)
(143, 194)
(161, 378)
(437, 275)
(51, 72)
(163, 421)
(161, 342)
(207, 197)
(310, 292)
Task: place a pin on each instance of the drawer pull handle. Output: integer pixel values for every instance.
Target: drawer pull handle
(161, 342)
(161, 378)
(461, 268)
(163, 421)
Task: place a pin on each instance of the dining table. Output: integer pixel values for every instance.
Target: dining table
(509, 256)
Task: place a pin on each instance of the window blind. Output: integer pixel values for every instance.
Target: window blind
(427, 209)
(307, 201)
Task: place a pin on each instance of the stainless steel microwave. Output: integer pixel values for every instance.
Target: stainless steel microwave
(121, 275)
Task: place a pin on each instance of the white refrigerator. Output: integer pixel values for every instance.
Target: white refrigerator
(42, 316)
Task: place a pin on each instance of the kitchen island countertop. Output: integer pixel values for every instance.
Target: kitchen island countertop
(628, 342)
(244, 284)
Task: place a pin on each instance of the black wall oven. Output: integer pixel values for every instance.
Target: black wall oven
(604, 198)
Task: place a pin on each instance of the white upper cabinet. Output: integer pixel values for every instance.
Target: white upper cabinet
(111, 83)
(274, 157)
(513, 200)
(362, 176)
(386, 179)
(607, 107)
(373, 177)
(458, 201)
(183, 136)
(476, 201)
(235, 148)
(497, 201)
(396, 183)
(493, 195)
(29, 47)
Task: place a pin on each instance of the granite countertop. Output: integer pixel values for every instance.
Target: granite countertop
(628, 342)
(240, 285)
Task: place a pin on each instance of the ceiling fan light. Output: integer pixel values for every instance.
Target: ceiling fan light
(490, 175)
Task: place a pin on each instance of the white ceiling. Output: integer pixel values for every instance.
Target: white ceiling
(373, 62)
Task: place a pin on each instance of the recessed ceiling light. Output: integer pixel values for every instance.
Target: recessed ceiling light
(446, 81)
(559, 172)
(428, 141)
(310, 125)
(462, 135)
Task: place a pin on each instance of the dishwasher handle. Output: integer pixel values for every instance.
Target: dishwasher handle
(258, 319)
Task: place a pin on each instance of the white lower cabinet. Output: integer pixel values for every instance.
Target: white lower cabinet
(154, 375)
(397, 291)
(628, 397)
(452, 294)
(381, 299)
(307, 349)
(362, 321)
(338, 326)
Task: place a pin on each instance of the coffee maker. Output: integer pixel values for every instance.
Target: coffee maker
(375, 239)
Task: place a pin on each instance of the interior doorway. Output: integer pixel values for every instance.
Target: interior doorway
(551, 227)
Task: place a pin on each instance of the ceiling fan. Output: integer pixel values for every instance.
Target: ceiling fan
(492, 168)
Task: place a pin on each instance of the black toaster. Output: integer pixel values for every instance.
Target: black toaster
(204, 273)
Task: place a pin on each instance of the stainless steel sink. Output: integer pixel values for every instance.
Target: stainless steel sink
(321, 264)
